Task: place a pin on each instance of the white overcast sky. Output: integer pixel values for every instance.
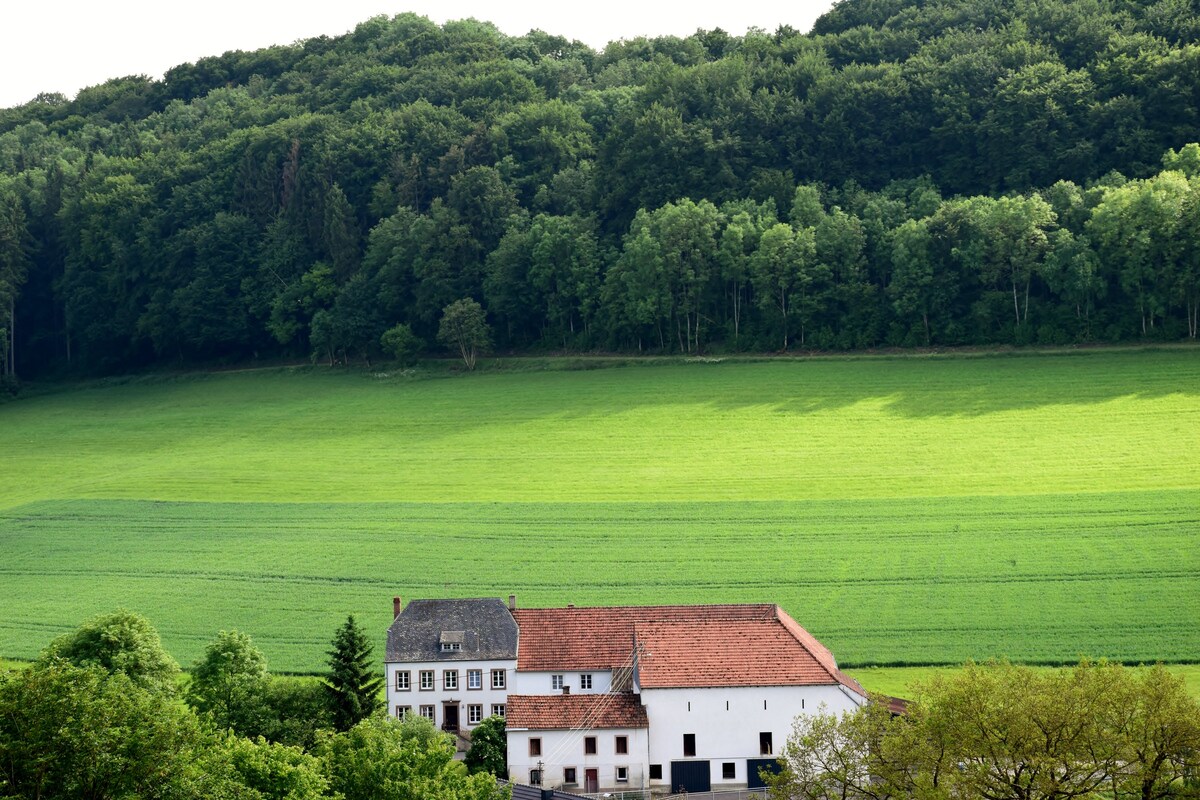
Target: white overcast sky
(65, 45)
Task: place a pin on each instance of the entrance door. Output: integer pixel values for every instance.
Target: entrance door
(690, 776)
(450, 718)
(591, 779)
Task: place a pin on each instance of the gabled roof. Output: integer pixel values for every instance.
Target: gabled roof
(482, 627)
(680, 646)
(601, 638)
(571, 711)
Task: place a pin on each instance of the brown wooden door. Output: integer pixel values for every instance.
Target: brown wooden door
(591, 779)
(450, 718)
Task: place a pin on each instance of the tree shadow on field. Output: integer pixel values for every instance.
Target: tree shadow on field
(907, 387)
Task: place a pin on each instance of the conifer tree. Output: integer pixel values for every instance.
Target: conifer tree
(353, 683)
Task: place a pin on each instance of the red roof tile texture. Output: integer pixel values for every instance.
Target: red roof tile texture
(680, 646)
(566, 712)
(602, 638)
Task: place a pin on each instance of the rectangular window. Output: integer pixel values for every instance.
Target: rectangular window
(428, 713)
(450, 679)
(474, 679)
(622, 774)
(450, 647)
(585, 681)
(569, 776)
(689, 744)
(403, 680)
(402, 712)
(589, 745)
(556, 683)
(535, 777)
(474, 714)
(622, 744)
(535, 746)
(764, 743)
(656, 772)
(498, 710)
(497, 679)
(426, 680)
(728, 771)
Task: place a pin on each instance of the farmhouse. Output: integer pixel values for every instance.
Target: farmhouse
(602, 699)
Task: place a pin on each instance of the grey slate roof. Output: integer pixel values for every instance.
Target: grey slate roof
(484, 626)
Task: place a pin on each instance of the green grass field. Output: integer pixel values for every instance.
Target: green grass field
(906, 510)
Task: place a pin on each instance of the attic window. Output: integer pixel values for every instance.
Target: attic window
(449, 647)
(452, 641)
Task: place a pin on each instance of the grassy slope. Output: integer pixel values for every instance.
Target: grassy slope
(901, 681)
(904, 509)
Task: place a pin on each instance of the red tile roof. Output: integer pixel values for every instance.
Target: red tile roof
(602, 638)
(569, 711)
(681, 646)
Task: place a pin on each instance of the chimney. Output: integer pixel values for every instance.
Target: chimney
(397, 605)
(566, 689)
(512, 602)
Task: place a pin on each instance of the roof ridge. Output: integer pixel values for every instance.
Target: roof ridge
(822, 654)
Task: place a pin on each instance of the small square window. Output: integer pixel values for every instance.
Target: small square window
(622, 774)
(589, 745)
(622, 745)
(474, 679)
(426, 680)
(402, 712)
(585, 681)
(403, 680)
(556, 683)
(428, 713)
(728, 770)
(535, 746)
(569, 776)
(450, 679)
(498, 710)
(497, 679)
(474, 714)
(656, 772)
(689, 744)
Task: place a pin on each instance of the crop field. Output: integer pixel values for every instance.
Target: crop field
(906, 510)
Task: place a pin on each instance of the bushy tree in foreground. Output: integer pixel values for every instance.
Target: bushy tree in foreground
(1002, 731)
(229, 682)
(489, 748)
(118, 642)
(386, 759)
(464, 328)
(353, 682)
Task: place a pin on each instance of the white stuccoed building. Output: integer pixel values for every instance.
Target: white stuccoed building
(605, 699)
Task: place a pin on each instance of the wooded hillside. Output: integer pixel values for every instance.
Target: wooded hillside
(936, 172)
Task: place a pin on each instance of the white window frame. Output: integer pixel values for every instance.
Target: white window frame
(427, 680)
(402, 712)
(585, 681)
(403, 680)
(429, 713)
(498, 710)
(450, 679)
(474, 714)
(556, 683)
(622, 774)
(498, 679)
(474, 679)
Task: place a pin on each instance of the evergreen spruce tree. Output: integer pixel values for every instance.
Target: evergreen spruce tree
(353, 683)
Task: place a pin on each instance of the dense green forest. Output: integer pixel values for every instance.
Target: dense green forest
(910, 173)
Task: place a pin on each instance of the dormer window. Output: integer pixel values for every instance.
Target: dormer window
(450, 647)
(452, 641)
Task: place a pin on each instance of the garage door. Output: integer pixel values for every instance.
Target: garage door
(690, 776)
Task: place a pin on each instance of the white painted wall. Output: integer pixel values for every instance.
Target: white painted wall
(561, 749)
(415, 697)
(540, 682)
(727, 722)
